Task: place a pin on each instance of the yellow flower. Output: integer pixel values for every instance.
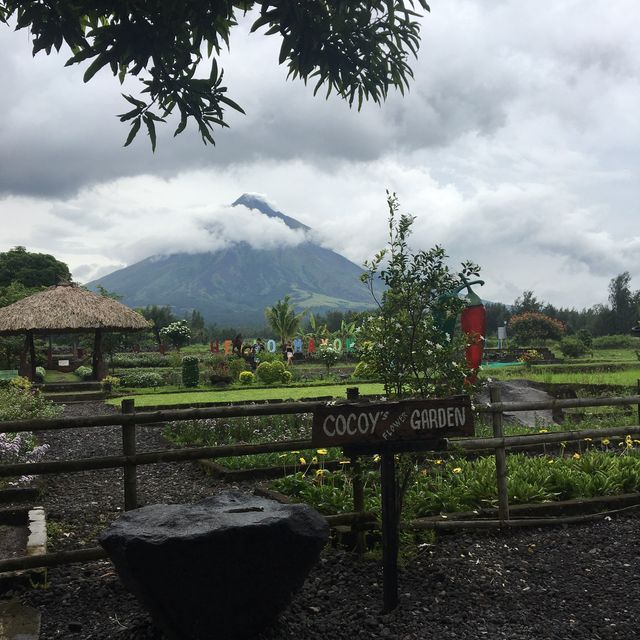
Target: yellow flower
(376, 458)
(605, 441)
(438, 461)
(576, 456)
(551, 461)
(320, 472)
(543, 430)
(345, 461)
(314, 460)
(637, 441)
(588, 439)
(322, 452)
(457, 470)
(629, 441)
(302, 461)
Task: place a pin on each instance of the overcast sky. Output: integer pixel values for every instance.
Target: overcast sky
(517, 147)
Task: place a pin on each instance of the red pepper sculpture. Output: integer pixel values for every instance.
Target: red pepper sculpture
(473, 322)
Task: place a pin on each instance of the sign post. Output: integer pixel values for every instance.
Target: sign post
(388, 428)
(390, 535)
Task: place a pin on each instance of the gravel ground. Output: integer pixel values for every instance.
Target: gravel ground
(552, 583)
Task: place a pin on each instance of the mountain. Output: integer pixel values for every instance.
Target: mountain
(232, 286)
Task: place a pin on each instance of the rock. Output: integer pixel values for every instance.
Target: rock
(224, 568)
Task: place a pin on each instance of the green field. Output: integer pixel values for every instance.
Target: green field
(546, 374)
(248, 395)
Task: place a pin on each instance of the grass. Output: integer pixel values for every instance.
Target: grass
(60, 376)
(249, 394)
(547, 375)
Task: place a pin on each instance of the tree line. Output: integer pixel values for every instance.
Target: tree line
(617, 317)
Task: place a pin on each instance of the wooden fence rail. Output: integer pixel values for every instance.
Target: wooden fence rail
(281, 408)
(131, 459)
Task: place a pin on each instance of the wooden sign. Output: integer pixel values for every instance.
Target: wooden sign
(405, 420)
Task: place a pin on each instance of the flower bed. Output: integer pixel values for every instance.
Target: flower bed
(451, 484)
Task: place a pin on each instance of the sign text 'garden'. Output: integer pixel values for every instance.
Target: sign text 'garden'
(405, 420)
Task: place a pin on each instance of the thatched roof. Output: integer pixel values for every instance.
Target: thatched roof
(68, 308)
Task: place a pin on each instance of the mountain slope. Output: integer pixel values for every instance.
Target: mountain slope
(235, 284)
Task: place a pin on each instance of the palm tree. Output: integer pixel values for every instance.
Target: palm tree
(283, 319)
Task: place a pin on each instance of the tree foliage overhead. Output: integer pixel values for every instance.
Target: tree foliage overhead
(31, 269)
(357, 49)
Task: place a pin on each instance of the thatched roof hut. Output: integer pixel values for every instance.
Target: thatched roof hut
(67, 308)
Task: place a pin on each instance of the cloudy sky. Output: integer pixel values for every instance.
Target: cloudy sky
(518, 147)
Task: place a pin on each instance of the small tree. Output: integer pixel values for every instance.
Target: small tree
(283, 319)
(190, 371)
(328, 355)
(530, 328)
(177, 333)
(406, 343)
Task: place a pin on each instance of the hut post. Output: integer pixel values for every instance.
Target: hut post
(32, 356)
(23, 367)
(96, 364)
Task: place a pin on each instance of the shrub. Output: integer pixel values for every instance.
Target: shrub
(272, 372)
(615, 342)
(172, 377)
(110, 382)
(84, 373)
(530, 357)
(286, 377)
(328, 355)
(177, 333)
(362, 370)
(266, 356)
(132, 360)
(218, 369)
(236, 366)
(246, 377)
(40, 374)
(532, 327)
(22, 403)
(190, 371)
(572, 347)
(20, 382)
(585, 337)
(141, 379)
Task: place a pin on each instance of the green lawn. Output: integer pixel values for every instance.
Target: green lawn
(60, 376)
(239, 395)
(628, 377)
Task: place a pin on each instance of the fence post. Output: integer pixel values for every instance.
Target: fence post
(358, 502)
(129, 449)
(495, 395)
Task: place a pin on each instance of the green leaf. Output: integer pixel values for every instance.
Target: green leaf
(133, 101)
(151, 128)
(181, 127)
(95, 66)
(231, 103)
(135, 127)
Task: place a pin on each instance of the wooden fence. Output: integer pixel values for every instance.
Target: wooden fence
(131, 459)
